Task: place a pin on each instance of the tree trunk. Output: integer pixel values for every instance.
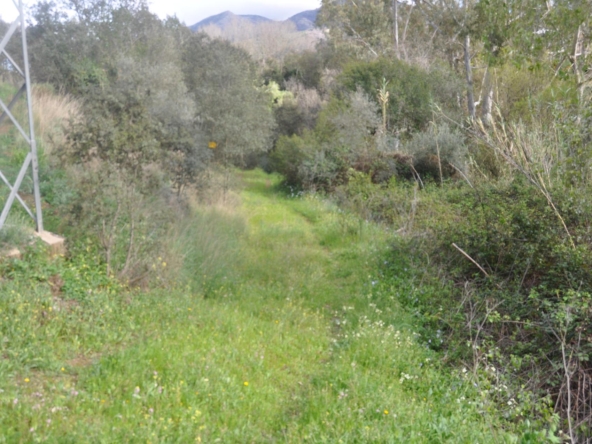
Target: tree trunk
(487, 103)
(405, 29)
(396, 26)
(469, 75)
(580, 84)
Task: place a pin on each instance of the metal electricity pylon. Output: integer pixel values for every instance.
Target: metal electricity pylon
(29, 136)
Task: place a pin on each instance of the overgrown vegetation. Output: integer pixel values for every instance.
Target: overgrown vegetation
(460, 128)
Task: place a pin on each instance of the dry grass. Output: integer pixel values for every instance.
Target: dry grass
(216, 190)
(52, 113)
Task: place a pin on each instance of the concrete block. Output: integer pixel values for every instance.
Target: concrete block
(56, 244)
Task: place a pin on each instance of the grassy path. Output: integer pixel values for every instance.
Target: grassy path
(297, 339)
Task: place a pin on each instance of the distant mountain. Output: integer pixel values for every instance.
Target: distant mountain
(223, 19)
(304, 21)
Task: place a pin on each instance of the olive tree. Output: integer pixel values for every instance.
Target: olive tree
(232, 108)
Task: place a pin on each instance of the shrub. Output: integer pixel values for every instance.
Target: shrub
(288, 155)
(298, 110)
(437, 151)
(126, 221)
(344, 135)
(409, 90)
(305, 68)
(527, 304)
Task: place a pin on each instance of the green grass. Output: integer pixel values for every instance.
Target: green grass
(284, 331)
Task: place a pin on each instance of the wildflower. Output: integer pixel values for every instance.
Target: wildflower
(27, 379)
(246, 383)
(385, 412)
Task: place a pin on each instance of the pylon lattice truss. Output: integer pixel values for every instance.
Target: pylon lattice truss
(29, 135)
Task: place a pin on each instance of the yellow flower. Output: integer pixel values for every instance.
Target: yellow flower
(27, 379)
(246, 383)
(386, 412)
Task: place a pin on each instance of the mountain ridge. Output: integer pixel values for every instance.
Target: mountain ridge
(304, 20)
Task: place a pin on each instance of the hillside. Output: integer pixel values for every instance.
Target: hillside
(304, 21)
(223, 19)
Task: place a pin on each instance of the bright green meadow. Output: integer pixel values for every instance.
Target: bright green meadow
(280, 327)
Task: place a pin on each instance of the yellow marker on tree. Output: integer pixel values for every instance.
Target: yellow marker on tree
(212, 145)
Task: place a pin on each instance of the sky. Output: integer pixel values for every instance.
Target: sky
(194, 11)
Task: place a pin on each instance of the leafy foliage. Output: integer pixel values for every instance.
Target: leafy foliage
(438, 152)
(361, 117)
(231, 107)
(345, 135)
(364, 29)
(408, 87)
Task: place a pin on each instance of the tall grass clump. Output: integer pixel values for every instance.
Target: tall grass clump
(206, 249)
(52, 112)
(16, 232)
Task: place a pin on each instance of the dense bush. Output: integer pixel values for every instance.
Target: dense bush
(344, 136)
(231, 108)
(438, 151)
(297, 110)
(515, 288)
(537, 283)
(409, 89)
(305, 67)
(514, 302)
(288, 155)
